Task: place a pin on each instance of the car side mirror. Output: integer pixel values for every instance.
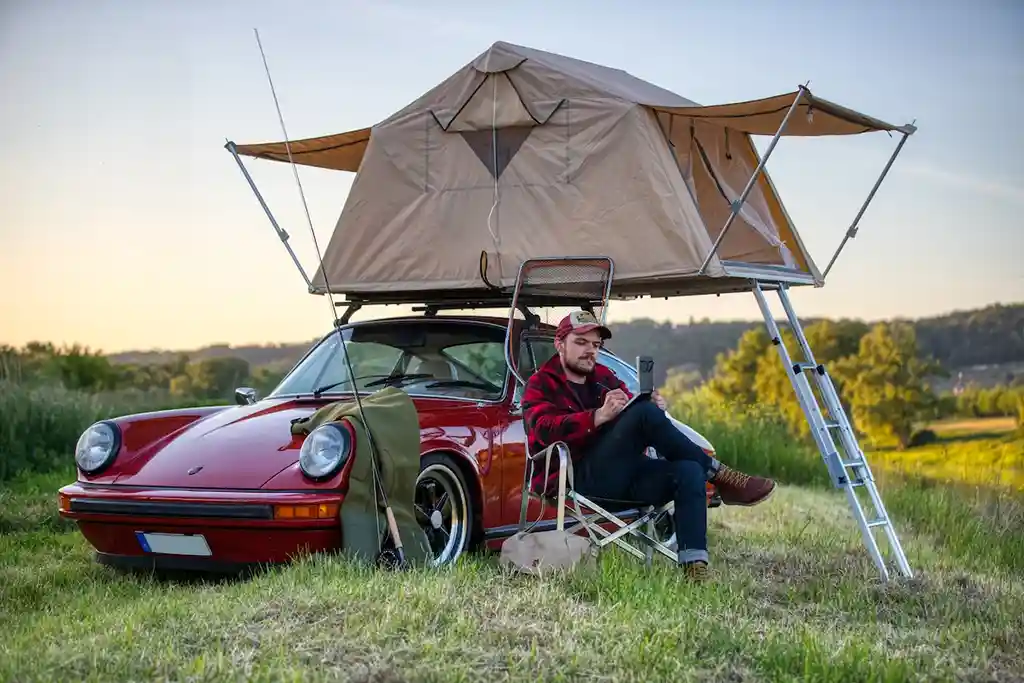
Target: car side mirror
(245, 396)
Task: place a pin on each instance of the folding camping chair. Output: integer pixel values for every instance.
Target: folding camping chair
(579, 282)
(628, 516)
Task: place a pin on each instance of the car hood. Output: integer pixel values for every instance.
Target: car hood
(240, 448)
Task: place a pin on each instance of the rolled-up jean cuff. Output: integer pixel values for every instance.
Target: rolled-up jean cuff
(692, 555)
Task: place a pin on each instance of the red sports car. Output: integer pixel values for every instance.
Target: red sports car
(220, 488)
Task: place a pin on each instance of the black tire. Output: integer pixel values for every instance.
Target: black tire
(444, 508)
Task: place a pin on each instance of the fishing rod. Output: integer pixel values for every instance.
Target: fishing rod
(375, 465)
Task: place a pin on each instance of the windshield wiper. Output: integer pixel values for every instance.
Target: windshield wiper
(387, 380)
(320, 390)
(398, 378)
(462, 383)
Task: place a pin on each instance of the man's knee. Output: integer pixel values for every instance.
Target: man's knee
(642, 413)
(689, 476)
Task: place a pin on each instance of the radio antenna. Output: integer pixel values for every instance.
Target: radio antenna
(375, 465)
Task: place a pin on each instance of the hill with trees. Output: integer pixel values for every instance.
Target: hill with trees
(979, 338)
(969, 350)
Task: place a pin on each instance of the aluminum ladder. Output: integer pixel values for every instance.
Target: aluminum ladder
(847, 466)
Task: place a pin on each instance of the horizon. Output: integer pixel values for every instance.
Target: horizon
(702, 321)
(116, 117)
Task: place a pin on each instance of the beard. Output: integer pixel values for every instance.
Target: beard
(581, 366)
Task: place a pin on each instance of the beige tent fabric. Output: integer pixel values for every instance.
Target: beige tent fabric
(523, 154)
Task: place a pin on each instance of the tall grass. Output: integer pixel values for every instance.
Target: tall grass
(972, 513)
(40, 424)
(753, 439)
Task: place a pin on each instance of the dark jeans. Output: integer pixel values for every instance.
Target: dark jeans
(615, 466)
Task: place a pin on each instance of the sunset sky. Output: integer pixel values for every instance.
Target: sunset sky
(125, 224)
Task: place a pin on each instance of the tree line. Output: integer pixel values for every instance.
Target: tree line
(79, 368)
(886, 372)
(880, 373)
(993, 335)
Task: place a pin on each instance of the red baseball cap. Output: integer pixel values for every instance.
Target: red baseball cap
(581, 322)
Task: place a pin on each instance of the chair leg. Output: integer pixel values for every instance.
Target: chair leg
(648, 548)
(645, 521)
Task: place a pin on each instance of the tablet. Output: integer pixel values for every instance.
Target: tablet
(645, 374)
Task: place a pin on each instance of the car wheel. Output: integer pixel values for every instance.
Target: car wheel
(443, 508)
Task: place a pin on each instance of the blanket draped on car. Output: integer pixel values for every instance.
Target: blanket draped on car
(394, 422)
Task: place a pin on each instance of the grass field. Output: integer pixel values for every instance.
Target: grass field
(793, 596)
(980, 451)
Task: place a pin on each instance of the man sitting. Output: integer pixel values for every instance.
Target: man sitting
(572, 398)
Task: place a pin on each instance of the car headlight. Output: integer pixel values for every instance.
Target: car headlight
(97, 447)
(325, 450)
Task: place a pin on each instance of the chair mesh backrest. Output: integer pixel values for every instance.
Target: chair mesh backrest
(574, 280)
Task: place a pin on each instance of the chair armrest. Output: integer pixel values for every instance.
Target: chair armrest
(561, 450)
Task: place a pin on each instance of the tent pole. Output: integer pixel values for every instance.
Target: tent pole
(852, 231)
(738, 204)
(280, 233)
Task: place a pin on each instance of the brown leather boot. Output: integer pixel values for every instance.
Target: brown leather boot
(737, 488)
(696, 571)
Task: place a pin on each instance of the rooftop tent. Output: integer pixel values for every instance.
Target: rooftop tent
(523, 153)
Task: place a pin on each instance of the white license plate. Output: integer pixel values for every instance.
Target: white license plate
(174, 544)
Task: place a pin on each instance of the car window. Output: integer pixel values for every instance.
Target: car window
(456, 359)
(481, 360)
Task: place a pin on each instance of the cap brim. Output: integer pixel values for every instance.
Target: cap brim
(583, 329)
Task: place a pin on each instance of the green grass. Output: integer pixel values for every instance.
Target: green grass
(793, 596)
(989, 458)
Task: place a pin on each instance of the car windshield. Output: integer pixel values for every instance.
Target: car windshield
(425, 357)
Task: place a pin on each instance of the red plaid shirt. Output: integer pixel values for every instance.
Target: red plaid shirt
(552, 412)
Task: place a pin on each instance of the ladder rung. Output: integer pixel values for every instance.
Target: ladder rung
(817, 367)
(853, 463)
(877, 522)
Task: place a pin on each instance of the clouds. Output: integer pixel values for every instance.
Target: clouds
(965, 179)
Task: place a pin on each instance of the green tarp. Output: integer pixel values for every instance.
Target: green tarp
(395, 425)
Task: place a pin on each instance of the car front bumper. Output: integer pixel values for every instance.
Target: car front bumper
(201, 529)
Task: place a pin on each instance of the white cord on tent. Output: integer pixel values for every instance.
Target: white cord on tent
(494, 155)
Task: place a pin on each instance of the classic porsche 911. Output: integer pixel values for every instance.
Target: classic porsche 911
(220, 488)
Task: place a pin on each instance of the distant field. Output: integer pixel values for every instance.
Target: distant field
(987, 452)
(981, 425)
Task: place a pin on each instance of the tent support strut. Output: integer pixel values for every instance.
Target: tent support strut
(852, 231)
(280, 232)
(738, 204)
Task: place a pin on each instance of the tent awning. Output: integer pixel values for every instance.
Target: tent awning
(340, 152)
(814, 116)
